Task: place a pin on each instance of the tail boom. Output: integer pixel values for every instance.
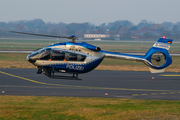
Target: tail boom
(116, 55)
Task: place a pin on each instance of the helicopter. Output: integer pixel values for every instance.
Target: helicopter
(78, 58)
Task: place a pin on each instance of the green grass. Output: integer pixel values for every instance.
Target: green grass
(75, 108)
(24, 44)
(130, 46)
(13, 56)
(14, 60)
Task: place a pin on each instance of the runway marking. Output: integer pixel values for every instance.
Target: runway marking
(82, 87)
(155, 94)
(170, 75)
(135, 94)
(30, 86)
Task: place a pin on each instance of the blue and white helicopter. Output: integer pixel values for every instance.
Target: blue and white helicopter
(78, 58)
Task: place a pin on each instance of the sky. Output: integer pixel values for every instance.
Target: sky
(93, 11)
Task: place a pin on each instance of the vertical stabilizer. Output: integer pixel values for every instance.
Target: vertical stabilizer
(158, 58)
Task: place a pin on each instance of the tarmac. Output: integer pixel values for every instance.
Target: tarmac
(108, 84)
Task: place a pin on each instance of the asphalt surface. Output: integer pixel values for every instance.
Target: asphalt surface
(113, 84)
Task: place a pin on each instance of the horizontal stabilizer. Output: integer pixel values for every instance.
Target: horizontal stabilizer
(156, 70)
(163, 43)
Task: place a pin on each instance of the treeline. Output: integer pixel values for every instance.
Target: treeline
(122, 28)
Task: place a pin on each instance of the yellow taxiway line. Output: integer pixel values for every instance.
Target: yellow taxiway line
(80, 87)
(170, 75)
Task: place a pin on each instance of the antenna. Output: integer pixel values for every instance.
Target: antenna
(57, 40)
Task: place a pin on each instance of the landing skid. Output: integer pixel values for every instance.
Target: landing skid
(64, 77)
(74, 77)
(49, 72)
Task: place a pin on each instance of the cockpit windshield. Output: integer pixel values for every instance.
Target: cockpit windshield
(41, 50)
(38, 53)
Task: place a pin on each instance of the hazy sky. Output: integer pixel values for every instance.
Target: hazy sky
(93, 11)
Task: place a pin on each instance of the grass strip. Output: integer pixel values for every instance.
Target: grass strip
(75, 108)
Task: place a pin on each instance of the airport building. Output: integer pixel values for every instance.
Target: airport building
(96, 36)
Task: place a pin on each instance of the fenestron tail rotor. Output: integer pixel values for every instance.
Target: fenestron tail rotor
(158, 59)
(72, 37)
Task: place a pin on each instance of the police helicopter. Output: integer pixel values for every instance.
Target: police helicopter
(78, 58)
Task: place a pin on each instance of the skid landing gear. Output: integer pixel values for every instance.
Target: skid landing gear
(39, 70)
(48, 73)
(74, 77)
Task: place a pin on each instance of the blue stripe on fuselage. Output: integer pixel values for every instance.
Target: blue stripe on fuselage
(77, 68)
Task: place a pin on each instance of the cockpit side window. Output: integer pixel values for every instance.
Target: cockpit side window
(45, 55)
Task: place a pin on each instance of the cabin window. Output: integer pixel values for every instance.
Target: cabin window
(57, 56)
(67, 56)
(81, 57)
(74, 57)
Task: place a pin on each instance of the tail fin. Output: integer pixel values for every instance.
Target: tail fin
(158, 58)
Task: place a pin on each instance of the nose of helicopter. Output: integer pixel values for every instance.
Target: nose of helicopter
(29, 58)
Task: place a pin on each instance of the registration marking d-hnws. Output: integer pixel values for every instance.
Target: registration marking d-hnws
(82, 87)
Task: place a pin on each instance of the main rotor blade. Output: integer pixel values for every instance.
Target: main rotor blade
(41, 35)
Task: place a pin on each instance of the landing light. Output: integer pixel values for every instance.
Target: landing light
(164, 37)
